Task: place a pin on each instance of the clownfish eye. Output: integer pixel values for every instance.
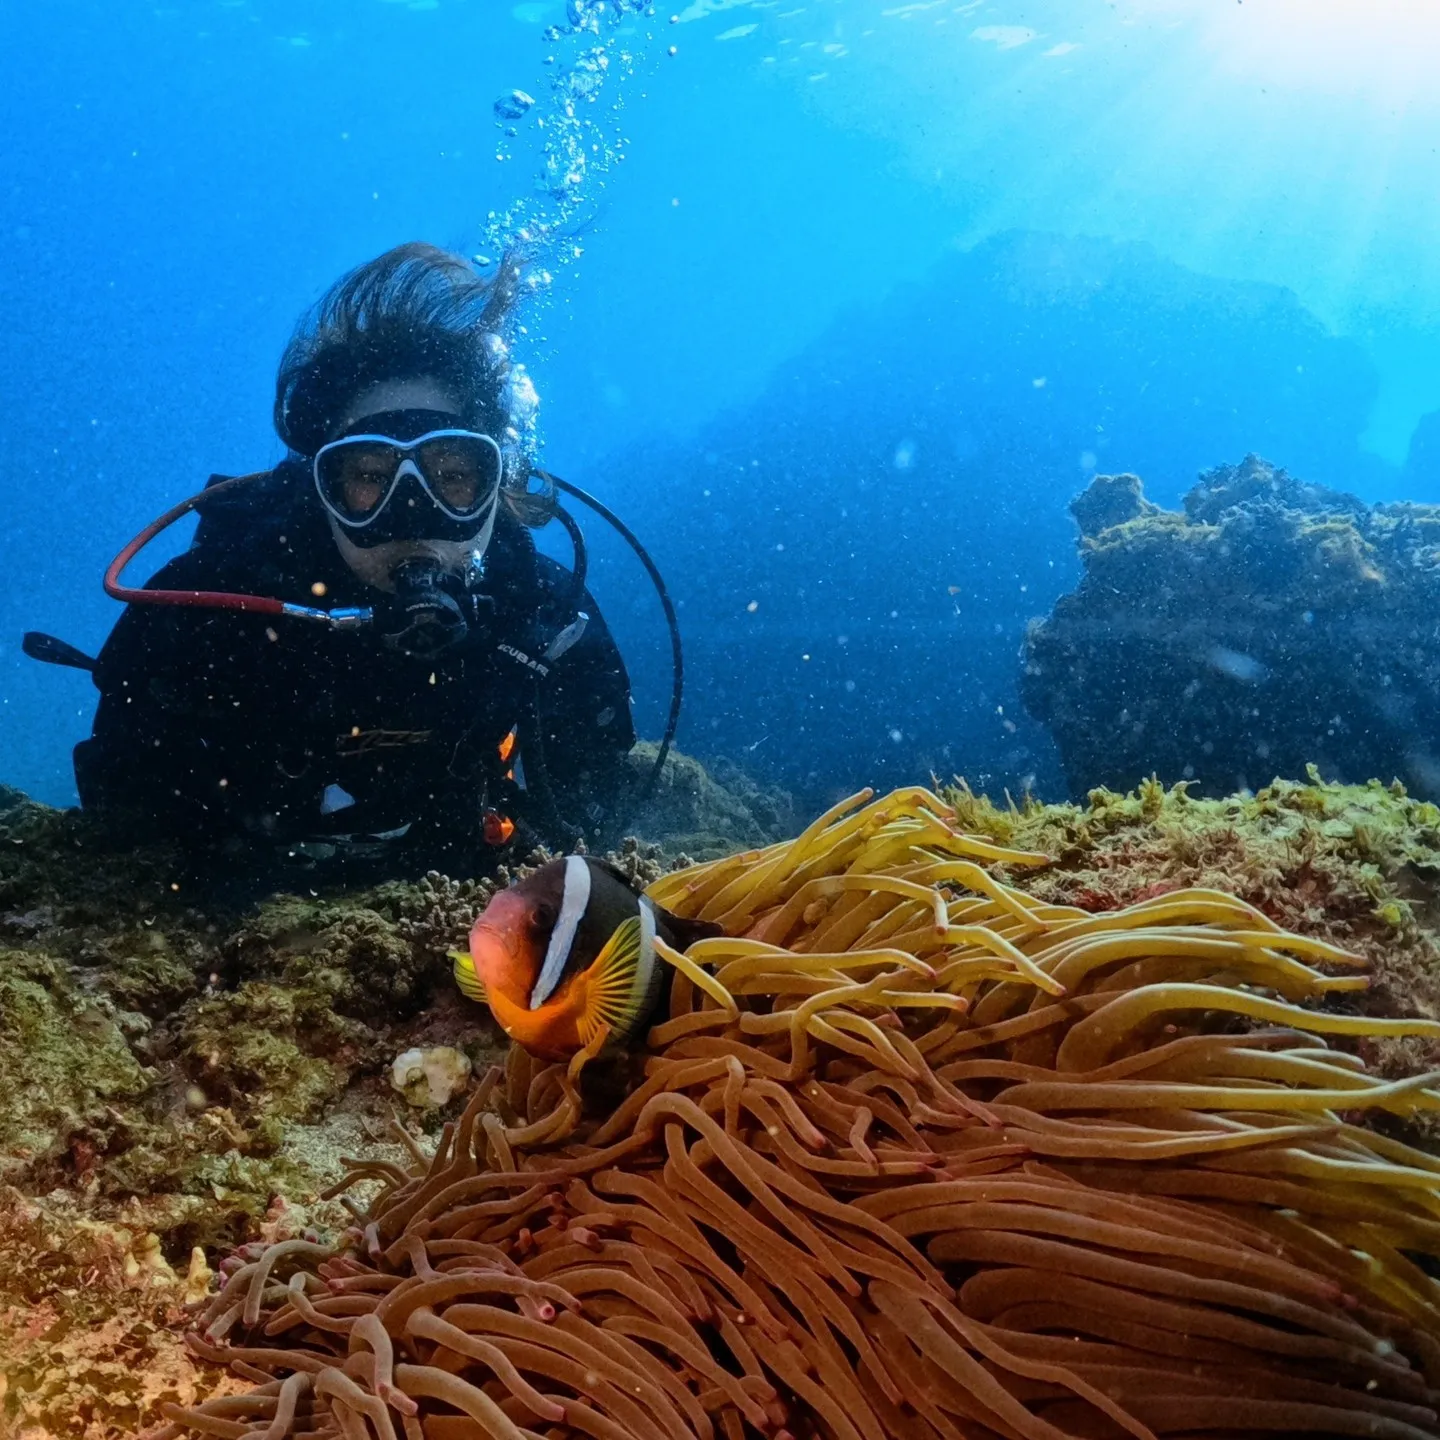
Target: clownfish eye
(542, 918)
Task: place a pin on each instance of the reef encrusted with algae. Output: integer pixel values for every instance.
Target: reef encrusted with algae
(1357, 865)
(1268, 625)
(259, 1041)
(184, 1064)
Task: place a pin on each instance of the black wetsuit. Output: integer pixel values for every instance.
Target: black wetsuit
(215, 723)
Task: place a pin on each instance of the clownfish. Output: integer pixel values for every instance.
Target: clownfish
(567, 950)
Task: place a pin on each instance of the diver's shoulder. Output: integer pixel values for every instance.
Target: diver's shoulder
(261, 518)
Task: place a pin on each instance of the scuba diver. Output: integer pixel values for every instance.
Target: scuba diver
(362, 650)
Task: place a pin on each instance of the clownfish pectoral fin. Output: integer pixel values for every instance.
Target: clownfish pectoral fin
(465, 977)
(613, 994)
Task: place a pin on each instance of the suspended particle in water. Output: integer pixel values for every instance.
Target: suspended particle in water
(513, 106)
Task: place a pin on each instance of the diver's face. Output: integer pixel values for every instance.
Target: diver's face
(376, 563)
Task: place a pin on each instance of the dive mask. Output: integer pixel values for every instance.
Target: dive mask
(432, 480)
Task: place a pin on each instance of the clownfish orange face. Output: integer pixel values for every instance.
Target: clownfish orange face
(567, 951)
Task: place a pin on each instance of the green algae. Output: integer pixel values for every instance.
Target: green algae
(65, 1065)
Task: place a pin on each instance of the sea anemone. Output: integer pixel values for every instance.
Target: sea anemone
(912, 1155)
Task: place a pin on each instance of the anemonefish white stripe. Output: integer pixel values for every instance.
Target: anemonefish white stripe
(573, 901)
(645, 963)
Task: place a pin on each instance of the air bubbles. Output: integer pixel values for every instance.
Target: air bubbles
(513, 106)
(585, 14)
(571, 139)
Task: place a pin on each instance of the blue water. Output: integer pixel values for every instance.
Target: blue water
(874, 291)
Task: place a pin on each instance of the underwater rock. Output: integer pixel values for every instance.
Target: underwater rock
(704, 812)
(432, 1077)
(1422, 463)
(1270, 625)
(1110, 500)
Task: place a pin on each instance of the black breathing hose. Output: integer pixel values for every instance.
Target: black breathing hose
(677, 658)
(580, 564)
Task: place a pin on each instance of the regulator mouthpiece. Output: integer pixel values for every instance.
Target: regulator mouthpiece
(423, 618)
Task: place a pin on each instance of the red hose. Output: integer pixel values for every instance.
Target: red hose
(211, 599)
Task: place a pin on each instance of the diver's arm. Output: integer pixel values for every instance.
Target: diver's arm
(145, 754)
(183, 710)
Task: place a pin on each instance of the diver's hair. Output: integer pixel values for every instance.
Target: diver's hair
(414, 311)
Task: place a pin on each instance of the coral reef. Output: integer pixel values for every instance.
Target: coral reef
(176, 1054)
(91, 1320)
(101, 947)
(1269, 625)
(914, 1154)
(430, 1078)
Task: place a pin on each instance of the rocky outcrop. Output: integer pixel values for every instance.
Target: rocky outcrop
(1268, 625)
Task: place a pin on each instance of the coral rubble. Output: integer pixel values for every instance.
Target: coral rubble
(1269, 625)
